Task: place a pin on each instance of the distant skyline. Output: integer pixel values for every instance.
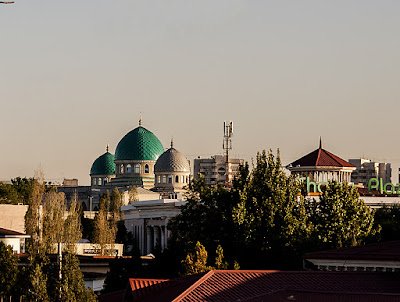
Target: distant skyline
(75, 75)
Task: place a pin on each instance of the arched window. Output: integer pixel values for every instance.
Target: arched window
(170, 179)
(122, 169)
(146, 168)
(99, 182)
(187, 179)
(128, 168)
(183, 179)
(94, 181)
(164, 179)
(105, 180)
(177, 179)
(158, 179)
(137, 169)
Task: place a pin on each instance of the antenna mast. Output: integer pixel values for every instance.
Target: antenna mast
(227, 145)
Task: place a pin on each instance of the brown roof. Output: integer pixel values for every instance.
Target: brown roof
(377, 193)
(386, 251)
(227, 286)
(321, 158)
(10, 232)
(304, 296)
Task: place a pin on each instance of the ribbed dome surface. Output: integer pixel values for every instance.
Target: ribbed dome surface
(104, 165)
(139, 144)
(172, 161)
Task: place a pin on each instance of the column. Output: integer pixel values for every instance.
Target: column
(162, 231)
(166, 232)
(156, 230)
(149, 240)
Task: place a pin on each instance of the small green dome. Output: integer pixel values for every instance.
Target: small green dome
(104, 165)
(139, 144)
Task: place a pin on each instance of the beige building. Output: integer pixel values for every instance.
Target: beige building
(215, 170)
(367, 169)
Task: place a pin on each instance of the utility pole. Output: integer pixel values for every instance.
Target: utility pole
(227, 145)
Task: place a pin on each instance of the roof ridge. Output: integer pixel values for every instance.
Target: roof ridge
(193, 286)
(318, 156)
(333, 156)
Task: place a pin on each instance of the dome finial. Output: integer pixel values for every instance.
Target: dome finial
(140, 120)
(108, 147)
(320, 142)
(172, 142)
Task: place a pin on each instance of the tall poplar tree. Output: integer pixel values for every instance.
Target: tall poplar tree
(33, 215)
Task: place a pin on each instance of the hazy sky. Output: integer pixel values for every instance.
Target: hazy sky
(74, 76)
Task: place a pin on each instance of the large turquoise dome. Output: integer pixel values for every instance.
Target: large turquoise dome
(139, 144)
(104, 165)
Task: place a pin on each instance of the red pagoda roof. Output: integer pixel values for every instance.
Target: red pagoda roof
(321, 158)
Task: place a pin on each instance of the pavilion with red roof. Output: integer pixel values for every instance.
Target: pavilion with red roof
(322, 166)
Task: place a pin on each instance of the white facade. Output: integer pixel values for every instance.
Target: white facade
(148, 220)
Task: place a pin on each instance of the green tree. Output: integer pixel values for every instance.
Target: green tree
(196, 262)
(272, 216)
(115, 209)
(53, 221)
(103, 234)
(264, 222)
(219, 259)
(36, 278)
(104, 203)
(341, 219)
(32, 216)
(206, 217)
(17, 192)
(72, 230)
(23, 187)
(132, 194)
(388, 219)
(121, 269)
(8, 270)
(72, 284)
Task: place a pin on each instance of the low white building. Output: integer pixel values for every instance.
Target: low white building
(148, 220)
(15, 239)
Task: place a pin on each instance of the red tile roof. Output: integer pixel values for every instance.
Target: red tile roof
(321, 158)
(386, 251)
(227, 286)
(171, 290)
(140, 287)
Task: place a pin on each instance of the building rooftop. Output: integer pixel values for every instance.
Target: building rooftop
(172, 161)
(139, 144)
(385, 251)
(242, 285)
(7, 233)
(321, 158)
(103, 165)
